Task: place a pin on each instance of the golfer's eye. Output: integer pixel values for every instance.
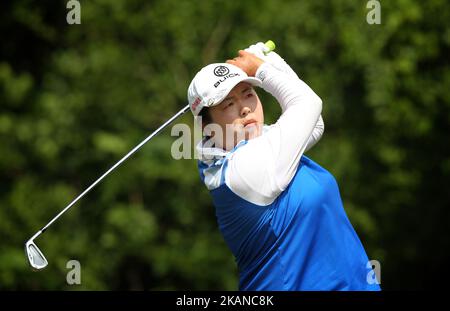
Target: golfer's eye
(229, 105)
(249, 95)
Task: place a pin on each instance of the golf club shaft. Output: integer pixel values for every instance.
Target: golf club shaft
(178, 114)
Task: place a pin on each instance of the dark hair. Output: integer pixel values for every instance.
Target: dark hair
(206, 116)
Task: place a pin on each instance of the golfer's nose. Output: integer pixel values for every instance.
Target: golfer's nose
(245, 111)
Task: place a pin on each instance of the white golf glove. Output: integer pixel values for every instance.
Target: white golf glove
(259, 49)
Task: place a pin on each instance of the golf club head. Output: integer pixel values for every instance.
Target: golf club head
(35, 257)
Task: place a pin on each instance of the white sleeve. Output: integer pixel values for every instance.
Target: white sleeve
(316, 134)
(259, 171)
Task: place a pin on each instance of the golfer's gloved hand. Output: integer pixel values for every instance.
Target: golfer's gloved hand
(259, 49)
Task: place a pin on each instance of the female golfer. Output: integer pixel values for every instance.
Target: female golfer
(280, 213)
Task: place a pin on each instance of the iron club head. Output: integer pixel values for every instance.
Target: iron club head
(35, 257)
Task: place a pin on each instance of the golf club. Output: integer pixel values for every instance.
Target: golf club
(35, 257)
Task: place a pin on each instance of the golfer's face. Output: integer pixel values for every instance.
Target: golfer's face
(242, 111)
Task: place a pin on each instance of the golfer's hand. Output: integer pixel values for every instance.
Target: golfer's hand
(262, 51)
(248, 62)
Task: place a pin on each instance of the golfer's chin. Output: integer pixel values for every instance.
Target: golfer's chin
(248, 132)
(252, 131)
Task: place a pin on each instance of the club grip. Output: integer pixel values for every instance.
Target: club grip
(270, 45)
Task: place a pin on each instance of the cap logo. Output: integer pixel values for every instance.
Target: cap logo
(196, 103)
(221, 71)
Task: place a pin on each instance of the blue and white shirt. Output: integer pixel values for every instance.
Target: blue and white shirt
(279, 212)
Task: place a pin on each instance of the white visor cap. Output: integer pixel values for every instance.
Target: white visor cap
(213, 83)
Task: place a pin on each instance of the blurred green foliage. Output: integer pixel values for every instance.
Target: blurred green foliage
(75, 98)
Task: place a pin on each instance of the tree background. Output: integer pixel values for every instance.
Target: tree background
(75, 98)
